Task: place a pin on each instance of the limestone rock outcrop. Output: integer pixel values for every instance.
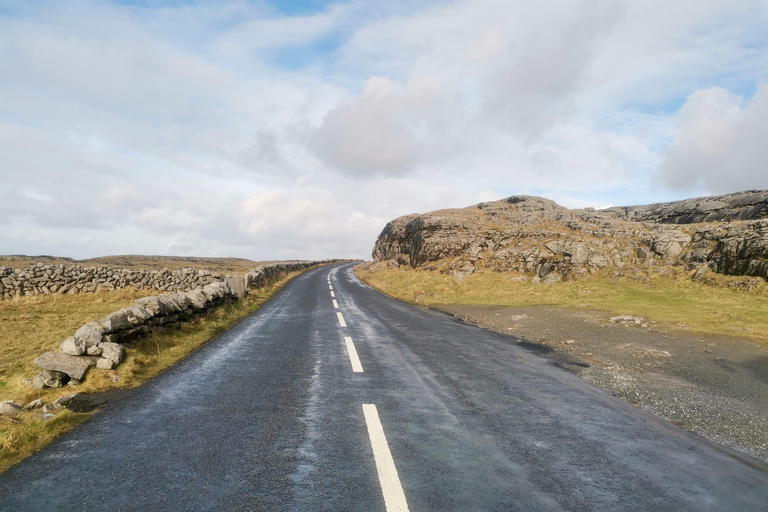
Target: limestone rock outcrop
(533, 235)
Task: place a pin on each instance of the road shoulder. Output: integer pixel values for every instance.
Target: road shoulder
(712, 385)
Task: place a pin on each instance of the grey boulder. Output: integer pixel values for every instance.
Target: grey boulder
(668, 243)
(34, 404)
(72, 346)
(74, 366)
(90, 334)
(197, 298)
(115, 322)
(150, 304)
(112, 352)
(137, 315)
(237, 286)
(9, 408)
(94, 350)
(105, 364)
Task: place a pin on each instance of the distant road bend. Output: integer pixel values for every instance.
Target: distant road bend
(335, 397)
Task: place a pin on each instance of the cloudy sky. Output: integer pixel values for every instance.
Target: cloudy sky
(297, 129)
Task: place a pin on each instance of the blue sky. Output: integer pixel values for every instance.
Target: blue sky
(275, 130)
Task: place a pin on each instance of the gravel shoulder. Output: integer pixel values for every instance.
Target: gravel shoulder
(713, 385)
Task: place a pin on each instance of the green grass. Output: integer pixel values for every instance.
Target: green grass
(33, 325)
(677, 300)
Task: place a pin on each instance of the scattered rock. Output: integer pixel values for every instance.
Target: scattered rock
(45, 416)
(94, 350)
(626, 319)
(64, 400)
(51, 408)
(34, 404)
(8, 408)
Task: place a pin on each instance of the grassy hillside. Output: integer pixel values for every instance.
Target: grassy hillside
(676, 301)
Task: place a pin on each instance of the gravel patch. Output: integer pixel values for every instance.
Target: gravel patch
(715, 386)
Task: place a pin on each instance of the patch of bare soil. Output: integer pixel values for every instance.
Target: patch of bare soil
(715, 386)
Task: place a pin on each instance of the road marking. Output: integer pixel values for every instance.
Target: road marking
(333, 294)
(335, 304)
(356, 366)
(341, 320)
(394, 497)
(330, 287)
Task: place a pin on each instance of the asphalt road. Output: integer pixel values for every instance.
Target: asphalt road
(270, 416)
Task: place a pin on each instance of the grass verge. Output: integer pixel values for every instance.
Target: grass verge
(30, 326)
(677, 301)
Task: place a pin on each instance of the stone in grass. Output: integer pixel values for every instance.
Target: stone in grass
(90, 334)
(34, 404)
(64, 400)
(9, 408)
(72, 346)
(623, 319)
(74, 366)
(105, 364)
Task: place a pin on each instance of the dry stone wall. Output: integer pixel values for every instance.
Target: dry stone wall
(42, 279)
(100, 344)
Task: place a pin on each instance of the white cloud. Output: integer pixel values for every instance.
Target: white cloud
(720, 143)
(195, 129)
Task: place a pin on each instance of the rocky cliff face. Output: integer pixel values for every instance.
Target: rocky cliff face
(531, 235)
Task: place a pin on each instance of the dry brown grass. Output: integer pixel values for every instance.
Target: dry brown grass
(30, 326)
(673, 300)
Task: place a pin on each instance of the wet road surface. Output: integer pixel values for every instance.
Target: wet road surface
(367, 403)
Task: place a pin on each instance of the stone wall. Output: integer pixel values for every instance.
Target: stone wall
(42, 279)
(100, 344)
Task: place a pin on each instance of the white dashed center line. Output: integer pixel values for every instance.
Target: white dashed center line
(341, 319)
(394, 497)
(330, 287)
(356, 366)
(333, 294)
(335, 304)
